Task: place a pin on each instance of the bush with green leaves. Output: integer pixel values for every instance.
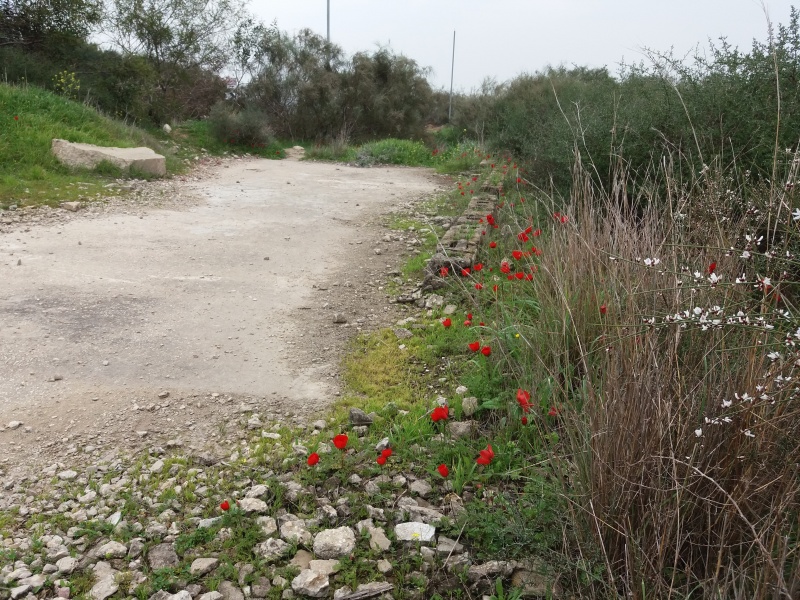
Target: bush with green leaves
(248, 127)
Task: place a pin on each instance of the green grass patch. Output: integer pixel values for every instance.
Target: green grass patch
(199, 135)
(446, 158)
(30, 174)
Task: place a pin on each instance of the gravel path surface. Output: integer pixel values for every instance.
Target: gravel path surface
(164, 313)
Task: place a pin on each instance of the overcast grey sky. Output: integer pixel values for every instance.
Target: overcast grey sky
(503, 39)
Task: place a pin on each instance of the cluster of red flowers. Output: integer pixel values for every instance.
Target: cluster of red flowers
(386, 453)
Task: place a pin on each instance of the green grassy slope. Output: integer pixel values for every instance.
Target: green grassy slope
(30, 118)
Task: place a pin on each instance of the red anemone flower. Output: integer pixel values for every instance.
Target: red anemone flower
(505, 267)
(478, 286)
(524, 420)
(447, 322)
(313, 459)
(475, 346)
(486, 455)
(387, 452)
(552, 412)
(524, 399)
(443, 470)
(603, 309)
(225, 505)
(465, 272)
(712, 267)
(381, 460)
(486, 350)
(517, 254)
(340, 441)
(440, 413)
(492, 244)
(478, 266)
(443, 271)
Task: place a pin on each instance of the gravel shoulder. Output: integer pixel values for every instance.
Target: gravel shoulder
(160, 316)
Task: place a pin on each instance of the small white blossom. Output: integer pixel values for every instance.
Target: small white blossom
(796, 214)
(749, 433)
(727, 403)
(698, 432)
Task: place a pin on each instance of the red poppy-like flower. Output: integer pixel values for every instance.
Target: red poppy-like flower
(524, 420)
(522, 237)
(387, 452)
(552, 412)
(440, 413)
(469, 316)
(478, 286)
(494, 288)
(478, 266)
(519, 179)
(443, 271)
(517, 254)
(564, 219)
(490, 219)
(505, 267)
(225, 505)
(492, 244)
(475, 346)
(486, 455)
(603, 309)
(381, 460)
(443, 470)
(447, 322)
(524, 399)
(340, 441)
(537, 233)
(467, 323)
(492, 165)
(712, 267)
(486, 351)
(465, 272)
(313, 459)
(16, 117)
(519, 275)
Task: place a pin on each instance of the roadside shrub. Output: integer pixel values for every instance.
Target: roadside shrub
(248, 127)
(394, 152)
(660, 346)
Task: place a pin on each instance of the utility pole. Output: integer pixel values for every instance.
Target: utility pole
(329, 35)
(452, 71)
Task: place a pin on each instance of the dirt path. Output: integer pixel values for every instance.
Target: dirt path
(156, 325)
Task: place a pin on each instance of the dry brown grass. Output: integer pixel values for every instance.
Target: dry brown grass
(681, 432)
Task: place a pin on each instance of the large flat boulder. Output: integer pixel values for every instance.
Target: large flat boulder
(89, 156)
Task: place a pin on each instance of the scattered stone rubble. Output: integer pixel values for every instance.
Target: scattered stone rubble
(113, 529)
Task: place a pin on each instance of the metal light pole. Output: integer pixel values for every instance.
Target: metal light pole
(329, 35)
(452, 71)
